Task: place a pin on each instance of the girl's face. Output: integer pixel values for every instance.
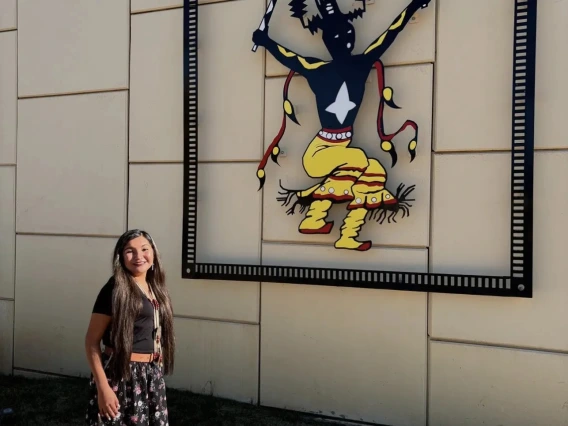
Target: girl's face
(138, 256)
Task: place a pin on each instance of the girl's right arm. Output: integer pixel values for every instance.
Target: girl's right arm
(108, 403)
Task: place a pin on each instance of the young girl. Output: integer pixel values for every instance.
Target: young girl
(133, 317)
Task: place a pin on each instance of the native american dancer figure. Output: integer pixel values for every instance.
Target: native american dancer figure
(346, 173)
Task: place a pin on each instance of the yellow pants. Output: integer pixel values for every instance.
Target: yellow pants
(350, 176)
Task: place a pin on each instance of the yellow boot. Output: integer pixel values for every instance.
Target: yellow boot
(350, 230)
(315, 223)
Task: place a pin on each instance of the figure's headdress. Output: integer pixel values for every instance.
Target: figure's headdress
(329, 14)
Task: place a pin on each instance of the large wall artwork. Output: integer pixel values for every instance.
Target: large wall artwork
(344, 175)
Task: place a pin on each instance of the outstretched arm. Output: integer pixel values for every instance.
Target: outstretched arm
(291, 60)
(378, 47)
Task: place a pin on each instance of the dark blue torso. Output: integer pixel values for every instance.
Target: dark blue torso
(326, 82)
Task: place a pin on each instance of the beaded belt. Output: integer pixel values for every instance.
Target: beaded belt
(336, 135)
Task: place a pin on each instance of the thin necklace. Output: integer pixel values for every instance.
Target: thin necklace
(157, 327)
(149, 296)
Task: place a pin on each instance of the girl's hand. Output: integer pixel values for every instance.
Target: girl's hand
(108, 402)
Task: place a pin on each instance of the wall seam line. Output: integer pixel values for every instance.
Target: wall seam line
(211, 319)
(151, 163)
(496, 151)
(128, 106)
(15, 193)
(55, 234)
(253, 161)
(433, 118)
(86, 92)
(261, 242)
(160, 9)
(490, 345)
(323, 244)
(395, 65)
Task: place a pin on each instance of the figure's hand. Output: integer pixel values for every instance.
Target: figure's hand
(422, 3)
(260, 37)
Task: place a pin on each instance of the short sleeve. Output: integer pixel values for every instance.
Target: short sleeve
(103, 303)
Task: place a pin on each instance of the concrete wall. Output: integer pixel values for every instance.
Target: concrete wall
(91, 145)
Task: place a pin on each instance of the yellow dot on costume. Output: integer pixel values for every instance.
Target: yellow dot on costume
(387, 93)
(288, 107)
(260, 173)
(412, 145)
(386, 146)
(276, 150)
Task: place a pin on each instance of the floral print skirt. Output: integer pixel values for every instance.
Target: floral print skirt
(142, 398)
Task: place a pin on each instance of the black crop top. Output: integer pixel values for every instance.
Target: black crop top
(143, 325)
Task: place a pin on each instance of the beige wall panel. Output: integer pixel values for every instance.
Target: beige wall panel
(215, 358)
(55, 298)
(156, 204)
(8, 96)
(415, 44)
(473, 385)
(551, 71)
(349, 352)
(413, 93)
(6, 335)
(388, 259)
(497, 320)
(8, 18)
(473, 83)
(153, 5)
(156, 88)
(7, 230)
(471, 214)
(228, 214)
(231, 86)
(72, 164)
(72, 46)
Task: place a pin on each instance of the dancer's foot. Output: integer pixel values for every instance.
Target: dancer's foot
(353, 244)
(325, 229)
